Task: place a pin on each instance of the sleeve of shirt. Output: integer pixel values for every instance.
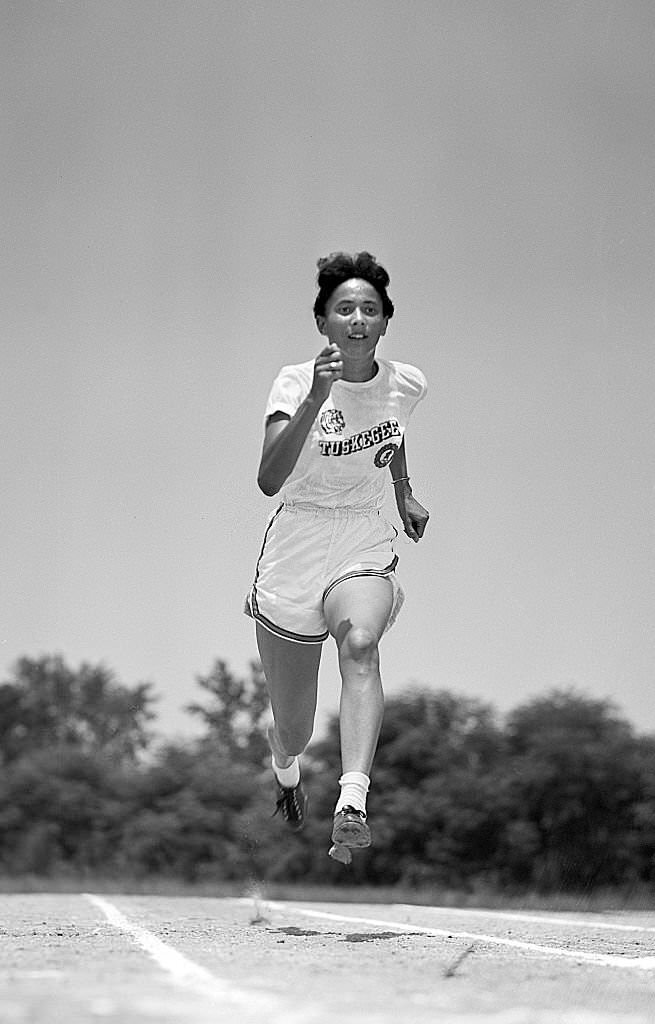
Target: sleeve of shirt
(413, 383)
(421, 384)
(289, 389)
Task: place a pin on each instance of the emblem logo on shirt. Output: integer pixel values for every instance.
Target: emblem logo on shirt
(384, 455)
(332, 421)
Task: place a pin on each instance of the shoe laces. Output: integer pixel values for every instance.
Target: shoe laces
(349, 810)
(288, 803)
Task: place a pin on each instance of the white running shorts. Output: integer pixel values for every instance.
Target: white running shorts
(307, 551)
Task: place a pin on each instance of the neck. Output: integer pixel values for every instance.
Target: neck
(359, 372)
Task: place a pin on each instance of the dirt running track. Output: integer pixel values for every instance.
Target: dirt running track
(68, 959)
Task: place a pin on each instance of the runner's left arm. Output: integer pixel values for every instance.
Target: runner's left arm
(412, 513)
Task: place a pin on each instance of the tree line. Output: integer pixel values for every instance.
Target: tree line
(558, 795)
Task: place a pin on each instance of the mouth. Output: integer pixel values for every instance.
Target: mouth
(357, 337)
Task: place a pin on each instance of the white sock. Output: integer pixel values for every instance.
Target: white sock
(354, 787)
(287, 777)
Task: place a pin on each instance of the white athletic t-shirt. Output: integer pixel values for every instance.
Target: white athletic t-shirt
(359, 428)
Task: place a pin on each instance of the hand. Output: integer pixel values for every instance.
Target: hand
(414, 517)
(328, 367)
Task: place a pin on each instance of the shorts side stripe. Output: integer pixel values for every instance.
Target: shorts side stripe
(362, 572)
(266, 533)
(253, 611)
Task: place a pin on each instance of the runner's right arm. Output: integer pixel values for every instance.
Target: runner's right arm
(284, 436)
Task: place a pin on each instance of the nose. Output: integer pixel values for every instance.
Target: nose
(357, 316)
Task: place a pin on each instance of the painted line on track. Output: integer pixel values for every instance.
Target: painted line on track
(18, 974)
(506, 915)
(641, 963)
(189, 974)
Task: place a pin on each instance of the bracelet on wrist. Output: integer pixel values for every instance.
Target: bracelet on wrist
(399, 479)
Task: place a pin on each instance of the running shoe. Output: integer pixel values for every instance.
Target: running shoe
(292, 804)
(340, 853)
(351, 829)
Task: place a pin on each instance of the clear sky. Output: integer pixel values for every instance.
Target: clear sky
(172, 170)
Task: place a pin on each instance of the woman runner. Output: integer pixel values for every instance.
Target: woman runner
(326, 568)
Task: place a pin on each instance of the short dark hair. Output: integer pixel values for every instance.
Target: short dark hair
(338, 267)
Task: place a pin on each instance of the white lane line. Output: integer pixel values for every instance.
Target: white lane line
(531, 918)
(16, 974)
(182, 970)
(642, 963)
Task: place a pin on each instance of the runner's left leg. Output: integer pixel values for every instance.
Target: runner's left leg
(357, 611)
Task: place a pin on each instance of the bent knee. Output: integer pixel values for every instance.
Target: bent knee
(360, 644)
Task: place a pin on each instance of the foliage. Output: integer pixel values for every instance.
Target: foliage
(559, 796)
(48, 704)
(579, 772)
(237, 711)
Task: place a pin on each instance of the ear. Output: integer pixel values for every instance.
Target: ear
(384, 329)
(320, 323)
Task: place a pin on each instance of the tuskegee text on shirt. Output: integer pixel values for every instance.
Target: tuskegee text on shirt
(364, 439)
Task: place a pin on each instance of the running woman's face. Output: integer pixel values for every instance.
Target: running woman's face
(353, 319)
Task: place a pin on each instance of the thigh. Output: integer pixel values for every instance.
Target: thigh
(363, 602)
(291, 671)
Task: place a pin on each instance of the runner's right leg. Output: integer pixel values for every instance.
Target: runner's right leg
(291, 671)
